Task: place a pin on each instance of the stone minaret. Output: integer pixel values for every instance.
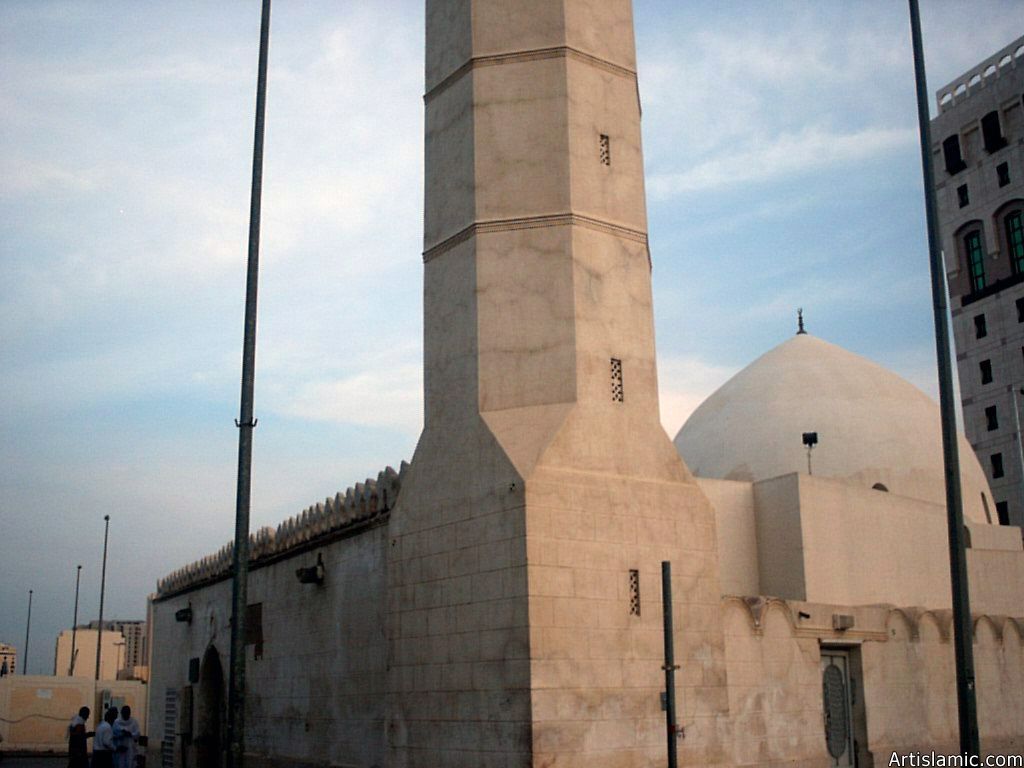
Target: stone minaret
(525, 551)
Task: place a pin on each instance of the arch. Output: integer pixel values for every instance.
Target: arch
(974, 80)
(990, 70)
(960, 89)
(209, 729)
(1009, 225)
(1005, 60)
(988, 624)
(905, 618)
(940, 620)
(946, 98)
(972, 254)
(879, 487)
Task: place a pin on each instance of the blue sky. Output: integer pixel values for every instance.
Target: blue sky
(782, 171)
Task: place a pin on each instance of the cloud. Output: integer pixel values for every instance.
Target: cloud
(684, 383)
(785, 155)
(388, 397)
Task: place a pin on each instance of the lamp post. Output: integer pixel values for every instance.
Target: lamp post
(967, 706)
(74, 624)
(246, 423)
(28, 626)
(103, 587)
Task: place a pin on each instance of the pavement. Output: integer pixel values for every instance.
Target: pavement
(33, 761)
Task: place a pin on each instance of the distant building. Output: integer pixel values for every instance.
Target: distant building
(136, 652)
(85, 639)
(979, 169)
(8, 659)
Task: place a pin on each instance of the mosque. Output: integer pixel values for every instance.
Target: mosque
(497, 601)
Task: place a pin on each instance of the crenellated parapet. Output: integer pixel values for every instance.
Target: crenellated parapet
(981, 76)
(358, 505)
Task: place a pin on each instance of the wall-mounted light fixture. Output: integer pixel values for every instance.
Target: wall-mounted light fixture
(314, 574)
(810, 440)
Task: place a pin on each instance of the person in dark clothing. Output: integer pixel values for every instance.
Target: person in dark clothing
(78, 750)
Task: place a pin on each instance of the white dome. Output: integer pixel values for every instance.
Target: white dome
(873, 426)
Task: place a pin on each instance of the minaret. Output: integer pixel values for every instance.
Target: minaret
(544, 493)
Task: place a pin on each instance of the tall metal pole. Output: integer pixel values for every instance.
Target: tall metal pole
(1014, 391)
(963, 631)
(28, 626)
(671, 727)
(245, 424)
(74, 624)
(103, 589)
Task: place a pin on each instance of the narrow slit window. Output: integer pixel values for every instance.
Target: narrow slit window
(1015, 241)
(997, 465)
(991, 418)
(980, 328)
(975, 259)
(605, 150)
(985, 366)
(963, 196)
(1003, 512)
(618, 393)
(951, 152)
(1003, 174)
(634, 593)
(1019, 303)
(992, 133)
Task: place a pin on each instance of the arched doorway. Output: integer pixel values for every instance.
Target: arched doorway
(210, 711)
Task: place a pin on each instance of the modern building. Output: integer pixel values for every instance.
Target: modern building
(136, 638)
(84, 640)
(978, 146)
(498, 601)
(8, 659)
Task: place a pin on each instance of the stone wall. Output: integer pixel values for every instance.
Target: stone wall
(316, 654)
(903, 681)
(35, 709)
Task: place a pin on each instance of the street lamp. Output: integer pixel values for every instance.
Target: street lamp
(103, 586)
(74, 624)
(28, 626)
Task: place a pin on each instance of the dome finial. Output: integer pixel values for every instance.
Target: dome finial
(800, 322)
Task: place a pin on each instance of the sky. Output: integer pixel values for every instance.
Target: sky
(782, 166)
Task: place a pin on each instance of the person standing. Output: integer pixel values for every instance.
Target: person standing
(126, 737)
(103, 741)
(78, 750)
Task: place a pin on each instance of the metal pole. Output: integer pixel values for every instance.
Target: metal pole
(963, 632)
(74, 623)
(28, 626)
(670, 667)
(103, 588)
(1020, 447)
(245, 424)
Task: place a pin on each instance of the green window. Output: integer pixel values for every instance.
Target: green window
(975, 259)
(1015, 241)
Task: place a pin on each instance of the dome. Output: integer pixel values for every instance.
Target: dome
(874, 428)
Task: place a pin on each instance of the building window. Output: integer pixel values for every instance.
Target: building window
(991, 133)
(991, 418)
(951, 152)
(980, 330)
(605, 150)
(986, 371)
(997, 465)
(963, 196)
(1003, 173)
(618, 391)
(1003, 512)
(1015, 241)
(1020, 310)
(975, 259)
